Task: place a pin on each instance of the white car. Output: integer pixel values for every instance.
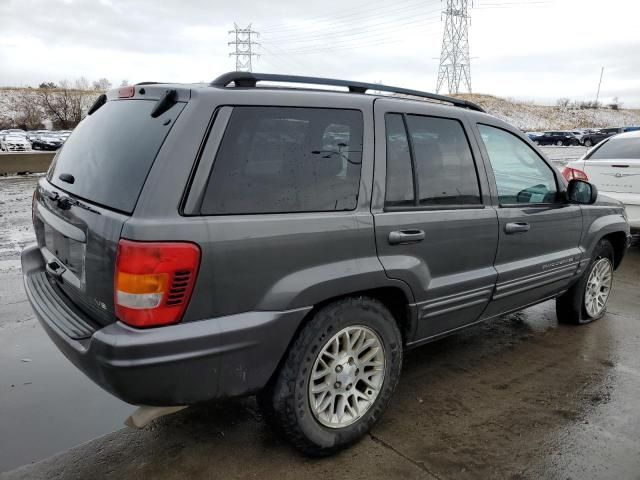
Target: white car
(614, 167)
(14, 143)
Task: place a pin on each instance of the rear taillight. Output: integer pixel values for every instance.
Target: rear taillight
(154, 281)
(574, 174)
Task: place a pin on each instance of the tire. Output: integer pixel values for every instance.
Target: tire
(588, 142)
(559, 143)
(572, 307)
(287, 402)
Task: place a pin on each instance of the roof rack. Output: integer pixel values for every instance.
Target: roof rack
(250, 79)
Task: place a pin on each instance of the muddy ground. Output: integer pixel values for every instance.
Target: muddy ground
(520, 397)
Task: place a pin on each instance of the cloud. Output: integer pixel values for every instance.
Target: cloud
(542, 53)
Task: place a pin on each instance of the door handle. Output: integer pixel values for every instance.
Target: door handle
(401, 237)
(517, 227)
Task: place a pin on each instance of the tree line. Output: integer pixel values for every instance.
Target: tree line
(64, 104)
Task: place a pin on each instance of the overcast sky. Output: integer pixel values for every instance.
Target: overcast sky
(535, 50)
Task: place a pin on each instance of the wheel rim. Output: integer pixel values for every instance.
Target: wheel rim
(598, 287)
(347, 376)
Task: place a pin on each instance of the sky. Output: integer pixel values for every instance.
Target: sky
(534, 50)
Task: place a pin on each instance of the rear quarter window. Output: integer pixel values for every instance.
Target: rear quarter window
(281, 160)
(111, 152)
(617, 148)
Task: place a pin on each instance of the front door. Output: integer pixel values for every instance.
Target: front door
(538, 251)
(435, 227)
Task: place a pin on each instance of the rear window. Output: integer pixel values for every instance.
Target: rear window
(281, 160)
(111, 152)
(617, 148)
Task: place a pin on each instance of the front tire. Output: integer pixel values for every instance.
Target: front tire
(588, 142)
(586, 301)
(337, 378)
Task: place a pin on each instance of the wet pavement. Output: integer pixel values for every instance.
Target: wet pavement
(519, 397)
(46, 405)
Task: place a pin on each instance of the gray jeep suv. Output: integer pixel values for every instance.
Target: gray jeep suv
(206, 241)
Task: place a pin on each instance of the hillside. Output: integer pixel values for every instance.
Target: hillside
(529, 116)
(28, 108)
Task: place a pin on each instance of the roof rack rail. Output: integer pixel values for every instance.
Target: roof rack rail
(250, 79)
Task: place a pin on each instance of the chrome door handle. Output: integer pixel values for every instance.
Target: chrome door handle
(517, 227)
(402, 237)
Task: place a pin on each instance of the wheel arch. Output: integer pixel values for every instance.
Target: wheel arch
(397, 299)
(619, 242)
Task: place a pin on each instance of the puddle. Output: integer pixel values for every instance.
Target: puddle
(46, 404)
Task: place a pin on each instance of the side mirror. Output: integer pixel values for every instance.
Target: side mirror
(579, 191)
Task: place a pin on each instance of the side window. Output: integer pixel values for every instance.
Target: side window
(444, 163)
(399, 190)
(281, 160)
(521, 175)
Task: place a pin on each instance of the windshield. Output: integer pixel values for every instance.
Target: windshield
(617, 148)
(111, 152)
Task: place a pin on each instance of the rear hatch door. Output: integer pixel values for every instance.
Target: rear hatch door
(91, 190)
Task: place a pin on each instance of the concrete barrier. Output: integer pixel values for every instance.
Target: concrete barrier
(34, 162)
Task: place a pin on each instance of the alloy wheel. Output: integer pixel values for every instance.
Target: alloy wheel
(598, 287)
(347, 376)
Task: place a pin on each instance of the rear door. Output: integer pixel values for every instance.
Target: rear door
(538, 253)
(435, 229)
(89, 192)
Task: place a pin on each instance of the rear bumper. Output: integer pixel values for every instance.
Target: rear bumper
(174, 365)
(631, 203)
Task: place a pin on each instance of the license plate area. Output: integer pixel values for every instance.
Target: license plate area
(68, 252)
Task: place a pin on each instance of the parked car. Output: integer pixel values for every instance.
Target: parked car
(534, 135)
(614, 167)
(596, 137)
(11, 142)
(47, 142)
(277, 258)
(32, 135)
(578, 134)
(556, 138)
(63, 135)
(16, 131)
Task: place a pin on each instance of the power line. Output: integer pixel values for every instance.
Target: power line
(373, 30)
(454, 57)
(351, 22)
(354, 14)
(243, 44)
(357, 42)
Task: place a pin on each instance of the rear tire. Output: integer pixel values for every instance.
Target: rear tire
(559, 143)
(576, 305)
(588, 142)
(334, 347)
